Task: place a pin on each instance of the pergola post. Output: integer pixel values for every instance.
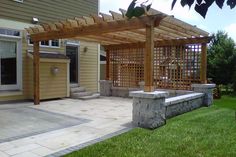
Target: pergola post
(203, 75)
(148, 59)
(36, 73)
(107, 64)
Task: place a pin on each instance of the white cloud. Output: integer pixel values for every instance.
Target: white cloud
(231, 30)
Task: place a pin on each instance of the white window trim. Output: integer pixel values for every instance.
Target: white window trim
(45, 46)
(18, 85)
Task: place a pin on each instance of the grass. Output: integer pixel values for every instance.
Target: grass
(205, 132)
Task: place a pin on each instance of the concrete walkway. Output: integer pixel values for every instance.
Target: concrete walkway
(98, 120)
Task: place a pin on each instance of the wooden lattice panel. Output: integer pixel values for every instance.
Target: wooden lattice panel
(126, 67)
(176, 67)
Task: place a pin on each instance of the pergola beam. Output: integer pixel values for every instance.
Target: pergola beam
(172, 42)
(97, 29)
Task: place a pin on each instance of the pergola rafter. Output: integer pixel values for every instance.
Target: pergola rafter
(115, 30)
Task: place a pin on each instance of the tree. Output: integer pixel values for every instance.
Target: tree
(222, 59)
(201, 6)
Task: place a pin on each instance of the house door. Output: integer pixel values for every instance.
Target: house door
(72, 53)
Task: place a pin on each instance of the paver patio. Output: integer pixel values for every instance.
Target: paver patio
(60, 126)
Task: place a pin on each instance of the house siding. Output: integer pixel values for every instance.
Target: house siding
(89, 66)
(18, 16)
(12, 96)
(46, 10)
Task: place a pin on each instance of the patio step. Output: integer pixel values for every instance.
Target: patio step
(74, 85)
(77, 89)
(93, 96)
(77, 92)
(80, 94)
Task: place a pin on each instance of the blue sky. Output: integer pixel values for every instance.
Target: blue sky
(216, 18)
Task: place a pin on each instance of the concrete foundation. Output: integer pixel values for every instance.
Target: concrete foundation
(149, 109)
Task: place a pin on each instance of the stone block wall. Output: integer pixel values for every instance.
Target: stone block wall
(122, 92)
(207, 89)
(182, 104)
(149, 109)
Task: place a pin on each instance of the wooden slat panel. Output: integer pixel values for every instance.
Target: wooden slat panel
(97, 19)
(174, 67)
(73, 23)
(116, 26)
(106, 17)
(89, 20)
(59, 25)
(81, 21)
(117, 16)
(172, 42)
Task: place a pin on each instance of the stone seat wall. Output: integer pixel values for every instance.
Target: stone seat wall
(182, 104)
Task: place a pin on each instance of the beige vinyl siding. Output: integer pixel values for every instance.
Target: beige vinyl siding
(88, 72)
(18, 16)
(89, 66)
(46, 10)
(9, 96)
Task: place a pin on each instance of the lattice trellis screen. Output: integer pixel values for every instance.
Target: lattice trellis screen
(126, 67)
(175, 67)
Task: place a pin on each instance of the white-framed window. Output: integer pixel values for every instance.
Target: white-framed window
(47, 43)
(9, 32)
(10, 59)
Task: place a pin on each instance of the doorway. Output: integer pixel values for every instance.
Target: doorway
(10, 60)
(72, 51)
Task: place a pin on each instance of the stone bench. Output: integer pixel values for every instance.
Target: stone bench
(182, 104)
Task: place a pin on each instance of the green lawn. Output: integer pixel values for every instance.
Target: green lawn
(206, 132)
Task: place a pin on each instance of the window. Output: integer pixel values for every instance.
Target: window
(55, 43)
(44, 43)
(30, 42)
(9, 32)
(47, 43)
(10, 60)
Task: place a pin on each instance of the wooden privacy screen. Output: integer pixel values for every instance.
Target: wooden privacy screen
(175, 67)
(126, 67)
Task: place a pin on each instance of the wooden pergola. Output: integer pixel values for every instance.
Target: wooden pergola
(116, 31)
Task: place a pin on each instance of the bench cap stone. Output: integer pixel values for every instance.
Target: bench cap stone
(149, 95)
(203, 85)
